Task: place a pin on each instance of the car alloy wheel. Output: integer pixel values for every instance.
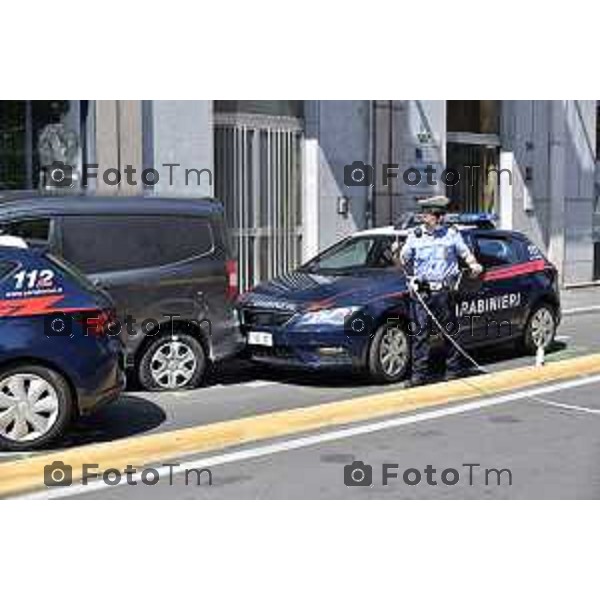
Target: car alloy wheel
(173, 364)
(542, 327)
(29, 407)
(393, 352)
(388, 357)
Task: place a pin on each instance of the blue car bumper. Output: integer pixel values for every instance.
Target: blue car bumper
(316, 348)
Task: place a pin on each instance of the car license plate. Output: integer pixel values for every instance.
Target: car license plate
(260, 338)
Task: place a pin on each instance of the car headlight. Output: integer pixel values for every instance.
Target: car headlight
(329, 316)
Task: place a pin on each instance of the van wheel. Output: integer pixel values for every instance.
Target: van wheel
(171, 363)
(36, 406)
(540, 329)
(389, 354)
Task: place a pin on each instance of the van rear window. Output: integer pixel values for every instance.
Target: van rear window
(98, 244)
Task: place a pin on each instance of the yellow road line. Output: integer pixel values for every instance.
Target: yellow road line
(26, 475)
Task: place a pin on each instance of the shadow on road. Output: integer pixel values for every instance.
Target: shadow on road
(242, 371)
(239, 370)
(491, 355)
(126, 417)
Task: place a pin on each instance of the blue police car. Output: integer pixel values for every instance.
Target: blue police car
(56, 360)
(349, 306)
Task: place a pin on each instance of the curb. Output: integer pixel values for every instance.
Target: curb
(20, 476)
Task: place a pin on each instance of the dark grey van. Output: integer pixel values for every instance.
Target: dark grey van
(163, 260)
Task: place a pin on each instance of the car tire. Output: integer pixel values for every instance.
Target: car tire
(541, 322)
(389, 354)
(42, 409)
(172, 363)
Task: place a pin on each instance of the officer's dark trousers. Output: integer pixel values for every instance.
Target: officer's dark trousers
(422, 328)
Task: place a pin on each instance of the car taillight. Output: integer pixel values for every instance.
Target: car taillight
(232, 280)
(97, 322)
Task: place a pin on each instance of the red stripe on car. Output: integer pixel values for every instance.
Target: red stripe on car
(28, 307)
(527, 268)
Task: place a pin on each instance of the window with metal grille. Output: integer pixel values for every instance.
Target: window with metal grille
(257, 177)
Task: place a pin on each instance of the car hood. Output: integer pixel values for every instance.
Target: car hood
(300, 290)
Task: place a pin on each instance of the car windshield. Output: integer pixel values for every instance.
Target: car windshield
(358, 253)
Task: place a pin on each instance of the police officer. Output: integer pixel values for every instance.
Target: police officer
(432, 251)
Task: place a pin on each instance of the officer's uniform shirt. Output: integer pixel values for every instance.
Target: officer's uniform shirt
(434, 254)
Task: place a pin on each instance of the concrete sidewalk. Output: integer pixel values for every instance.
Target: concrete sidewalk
(584, 297)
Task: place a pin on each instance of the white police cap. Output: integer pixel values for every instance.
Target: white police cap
(434, 204)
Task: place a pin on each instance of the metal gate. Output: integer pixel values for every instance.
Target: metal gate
(258, 178)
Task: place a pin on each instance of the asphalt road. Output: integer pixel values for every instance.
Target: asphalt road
(525, 449)
(240, 390)
(550, 450)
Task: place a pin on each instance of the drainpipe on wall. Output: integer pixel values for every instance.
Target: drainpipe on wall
(556, 184)
(370, 208)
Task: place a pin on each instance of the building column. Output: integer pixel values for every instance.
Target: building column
(556, 183)
(118, 145)
(310, 181)
(412, 135)
(507, 160)
(341, 130)
(178, 143)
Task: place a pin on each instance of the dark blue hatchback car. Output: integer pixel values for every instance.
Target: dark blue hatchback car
(56, 360)
(349, 306)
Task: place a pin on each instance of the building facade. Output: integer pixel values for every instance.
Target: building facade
(282, 168)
